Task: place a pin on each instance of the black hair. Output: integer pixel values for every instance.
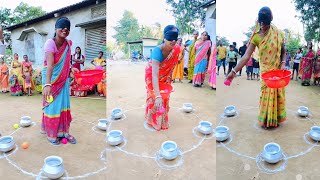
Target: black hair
(265, 15)
(79, 53)
(100, 52)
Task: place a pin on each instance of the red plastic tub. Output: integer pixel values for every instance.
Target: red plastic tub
(276, 78)
(89, 77)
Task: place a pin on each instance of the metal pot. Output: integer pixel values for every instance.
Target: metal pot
(53, 167)
(222, 133)
(272, 153)
(314, 133)
(303, 111)
(205, 127)
(187, 107)
(115, 137)
(7, 143)
(116, 113)
(230, 110)
(25, 121)
(169, 150)
(102, 124)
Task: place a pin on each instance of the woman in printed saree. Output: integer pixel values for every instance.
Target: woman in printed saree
(192, 56)
(56, 117)
(16, 68)
(270, 42)
(158, 77)
(178, 69)
(307, 66)
(200, 63)
(212, 68)
(4, 76)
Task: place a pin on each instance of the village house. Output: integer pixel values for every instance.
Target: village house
(88, 31)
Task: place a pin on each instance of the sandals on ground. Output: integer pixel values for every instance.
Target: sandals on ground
(71, 139)
(55, 142)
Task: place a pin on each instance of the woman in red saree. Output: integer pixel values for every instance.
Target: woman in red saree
(158, 77)
(56, 117)
(307, 66)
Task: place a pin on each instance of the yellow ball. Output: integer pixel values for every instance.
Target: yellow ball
(16, 126)
(49, 99)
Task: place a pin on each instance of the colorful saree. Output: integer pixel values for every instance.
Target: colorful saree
(4, 77)
(16, 70)
(165, 75)
(272, 101)
(306, 67)
(56, 117)
(192, 57)
(27, 71)
(200, 63)
(178, 69)
(212, 68)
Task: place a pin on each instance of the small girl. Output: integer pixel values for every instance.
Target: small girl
(256, 69)
(316, 71)
(28, 82)
(250, 68)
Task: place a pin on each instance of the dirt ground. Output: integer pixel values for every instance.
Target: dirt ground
(126, 89)
(249, 138)
(79, 159)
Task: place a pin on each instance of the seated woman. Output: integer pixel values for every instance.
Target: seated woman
(102, 87)
(15, 87)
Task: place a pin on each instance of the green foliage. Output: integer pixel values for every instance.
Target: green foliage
(187, 13)
(224, 40)
(25, 12)
(21, 13)
(248, 34)
(128, 29)
(293, 45)
(310, 17)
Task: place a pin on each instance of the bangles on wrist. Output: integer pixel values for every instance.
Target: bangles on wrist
(158, 97)
(234, 71)
(46, 86)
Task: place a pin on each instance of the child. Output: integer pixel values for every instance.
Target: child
(231, 56)
(256, 69)
(38, 84)
(316, 72)
(296, 63)
(288, 59)
(15, 87)
(27, 76)
(250, 68)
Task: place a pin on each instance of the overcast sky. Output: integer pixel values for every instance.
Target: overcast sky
(47, 5)
(147, 12)
(235, 17)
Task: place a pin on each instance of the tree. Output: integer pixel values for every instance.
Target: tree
(310, 17)
(248, 34)
(25, 12)
(21, 13)
(187, 13)
(145, 31)
(224, 40)
(293, 45)
(127, 30)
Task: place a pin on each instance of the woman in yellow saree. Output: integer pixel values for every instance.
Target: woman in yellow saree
(16, 68)
(270, 42)
(178, 69)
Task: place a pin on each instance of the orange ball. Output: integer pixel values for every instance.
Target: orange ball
(25, 145)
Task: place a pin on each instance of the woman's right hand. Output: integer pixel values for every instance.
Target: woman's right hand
(46, 92)
(158, 103)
